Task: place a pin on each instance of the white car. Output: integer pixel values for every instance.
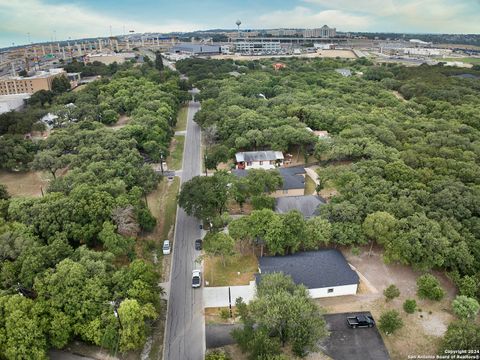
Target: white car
(196, 278)
(166, 247)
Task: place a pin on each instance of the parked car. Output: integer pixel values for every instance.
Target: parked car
(166, 247)
(360, 321)
(196, 278)
(198, 244)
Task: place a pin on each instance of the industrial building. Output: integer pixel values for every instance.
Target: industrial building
(42, 80)
(323, 32)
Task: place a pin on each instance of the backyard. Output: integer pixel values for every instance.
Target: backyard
(422, 330)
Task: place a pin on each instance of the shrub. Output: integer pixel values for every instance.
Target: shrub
(461, 335)
(224, 313)
(428, 287)
(390, 321)
(465, 307)
(391, 292)
(263, 202)
(410, 306)
(217, 355)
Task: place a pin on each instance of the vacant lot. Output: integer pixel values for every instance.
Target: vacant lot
(423, 330)
(239, 270)
(122, 121)
(174, 161)
(182, 119)
(28, 183)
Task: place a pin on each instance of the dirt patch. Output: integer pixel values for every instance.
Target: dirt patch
(122, 121)
(398, 95)
(213, 316)
(234, 208)
(28, 183)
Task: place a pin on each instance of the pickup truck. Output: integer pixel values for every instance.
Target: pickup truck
(360, 321)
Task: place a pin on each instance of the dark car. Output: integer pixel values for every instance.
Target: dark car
(198, 244)
(360, 321)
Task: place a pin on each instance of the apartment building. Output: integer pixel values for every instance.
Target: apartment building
(42, 80)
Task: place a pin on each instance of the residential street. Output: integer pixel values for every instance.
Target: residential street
(185, 328)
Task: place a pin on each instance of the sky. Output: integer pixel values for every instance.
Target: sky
(22, 21)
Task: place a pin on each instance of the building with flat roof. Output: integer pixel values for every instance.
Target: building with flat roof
(257, 47)
(323, 32)
(196, 49)
(109, 58)
(12, 102)
(42, 80)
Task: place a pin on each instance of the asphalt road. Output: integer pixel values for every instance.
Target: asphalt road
(185, 328)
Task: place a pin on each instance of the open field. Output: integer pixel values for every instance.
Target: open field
(239, 270)
(28, 183)
(346, 54)
(174, 160)
(422, 330)
(182, 119)
(468, 60)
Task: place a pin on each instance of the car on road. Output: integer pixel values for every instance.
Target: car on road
(196, 278)
(198, 244)
(166, 247)
(359, 321)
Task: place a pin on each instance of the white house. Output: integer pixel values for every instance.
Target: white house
(259, 159)
(324, 272)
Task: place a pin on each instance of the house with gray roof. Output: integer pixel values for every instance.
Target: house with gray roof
(324, 273)
(308, 205)
(259, 159)
(293, 180)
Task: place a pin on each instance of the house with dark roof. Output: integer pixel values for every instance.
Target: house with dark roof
(293, 180)
(324, 272)
(308, 205)
(259, 159)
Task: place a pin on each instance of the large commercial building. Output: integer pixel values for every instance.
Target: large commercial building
(323, 32)
(256, 47)
(109, 58)
(30, 84)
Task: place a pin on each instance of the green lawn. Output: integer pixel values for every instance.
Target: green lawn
(218, 275)
(169, 205)
(469, 60)
(182, 119)
(174, 161)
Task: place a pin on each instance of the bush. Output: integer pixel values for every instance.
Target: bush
(224, 313)
(145, 219)
(391, 292)
(390, 322)
(461, 335)
(428, 287)
(217, 355)
(263, 202)
(465, 307)
(410, 306)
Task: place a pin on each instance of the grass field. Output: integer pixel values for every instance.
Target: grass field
(174, 161)
(468, 60)
(218, 275)
(28, 183)
(182, 119)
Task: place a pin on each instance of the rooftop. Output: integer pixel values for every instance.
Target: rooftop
(292, 176)
(308, 205)
(314, 269)
(258, 156)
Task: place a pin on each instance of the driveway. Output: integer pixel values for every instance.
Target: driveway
(185, 324)
(345, 343)
(218, 335)
(221, 296)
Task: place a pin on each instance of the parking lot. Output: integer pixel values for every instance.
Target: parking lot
(345, 343)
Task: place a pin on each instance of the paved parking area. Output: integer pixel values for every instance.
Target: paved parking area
(345, 343)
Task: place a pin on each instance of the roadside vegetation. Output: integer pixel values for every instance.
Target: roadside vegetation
(69, 268)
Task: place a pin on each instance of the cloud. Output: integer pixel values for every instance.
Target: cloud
(69, 20)
(412, 15)
(303, 17)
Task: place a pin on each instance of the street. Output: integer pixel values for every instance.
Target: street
(185, 328)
